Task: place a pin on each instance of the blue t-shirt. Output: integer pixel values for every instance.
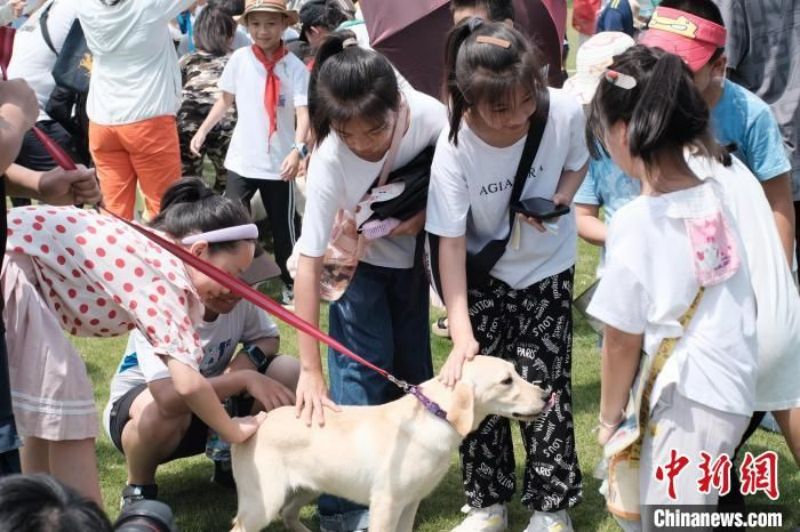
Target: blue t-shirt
(617, 16)
(741, 120)
(607, 185)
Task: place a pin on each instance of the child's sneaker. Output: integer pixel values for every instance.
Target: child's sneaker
(134, 493)
(493, 518)
(549, 522)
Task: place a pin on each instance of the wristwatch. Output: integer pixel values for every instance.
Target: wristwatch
(301, 148)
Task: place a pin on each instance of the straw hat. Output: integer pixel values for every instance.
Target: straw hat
(269, 6)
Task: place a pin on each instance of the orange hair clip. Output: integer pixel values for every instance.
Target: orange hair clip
(485, 39)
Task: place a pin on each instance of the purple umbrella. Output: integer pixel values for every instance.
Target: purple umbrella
(411, 33)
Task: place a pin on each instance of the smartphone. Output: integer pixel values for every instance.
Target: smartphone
(540, 208)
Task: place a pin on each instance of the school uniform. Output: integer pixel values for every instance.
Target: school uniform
(383, 314)
(254, 156)
(523, 313)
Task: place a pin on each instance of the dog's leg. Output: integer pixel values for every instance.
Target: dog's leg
(260, 506)
(406, 522)
(291, 510)
(384, 513)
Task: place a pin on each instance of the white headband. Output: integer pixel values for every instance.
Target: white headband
(227, 234)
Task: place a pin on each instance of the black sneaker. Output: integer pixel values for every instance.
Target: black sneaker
(223, 474)
(133, 493)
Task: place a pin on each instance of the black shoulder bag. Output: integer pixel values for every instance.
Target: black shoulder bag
(481, 263)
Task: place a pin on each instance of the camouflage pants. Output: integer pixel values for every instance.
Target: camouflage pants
(531, 327)
(215, 148)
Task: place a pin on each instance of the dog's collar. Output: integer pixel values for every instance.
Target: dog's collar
(430, 406)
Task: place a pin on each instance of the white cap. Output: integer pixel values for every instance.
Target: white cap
(592, 60)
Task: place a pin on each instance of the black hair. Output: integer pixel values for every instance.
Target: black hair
(190, 206)
(348, 83)
(213, 31)
(40, 503)
(482, 72)
(327, 14)
(664, 110)
(233, 8)
(705, 9)
(498, 10)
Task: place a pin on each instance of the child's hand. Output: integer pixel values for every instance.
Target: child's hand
(290, 165)
(197, 142)
(269, 393)
(245, 427)
(462, 351)
(312, 396)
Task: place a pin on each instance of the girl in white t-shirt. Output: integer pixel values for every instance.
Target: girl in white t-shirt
(383, 315)
(93, 276)
(521, 311)
(269, 86)
(674, 247)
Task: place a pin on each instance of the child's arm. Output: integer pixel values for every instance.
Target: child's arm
(452, 260)
(203, 401)
(568, 184)
(292, 161)
(590, 227)
(312, 391)
(621, 353)
(216, 114)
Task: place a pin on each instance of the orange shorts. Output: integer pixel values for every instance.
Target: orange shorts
(146, 152)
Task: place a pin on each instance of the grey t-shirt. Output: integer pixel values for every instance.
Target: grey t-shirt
(763, 50)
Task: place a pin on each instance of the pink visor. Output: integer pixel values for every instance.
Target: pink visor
(692, 38)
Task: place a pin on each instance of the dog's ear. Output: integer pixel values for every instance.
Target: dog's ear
(462, 407)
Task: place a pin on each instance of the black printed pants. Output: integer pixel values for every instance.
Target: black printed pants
(531, 327)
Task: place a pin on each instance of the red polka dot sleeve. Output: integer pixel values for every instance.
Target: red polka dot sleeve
(102, 278)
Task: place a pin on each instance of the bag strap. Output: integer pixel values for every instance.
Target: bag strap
(43, 18)
(397, 135)
(535, 133)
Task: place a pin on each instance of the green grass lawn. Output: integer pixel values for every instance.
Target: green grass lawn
(203, 506)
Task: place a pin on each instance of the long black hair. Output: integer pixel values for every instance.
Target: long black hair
(480, 72)
(664, 110)
(213, 31)
(349, 82)
(190, 206)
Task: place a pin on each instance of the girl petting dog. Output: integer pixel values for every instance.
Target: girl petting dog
(94, 276)
(521, 310)
(676, 269)
(383, 314)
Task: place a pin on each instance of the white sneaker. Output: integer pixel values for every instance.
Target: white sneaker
(493, 518)
(549, 522)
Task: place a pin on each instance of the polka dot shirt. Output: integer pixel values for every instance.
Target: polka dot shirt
(102, 278)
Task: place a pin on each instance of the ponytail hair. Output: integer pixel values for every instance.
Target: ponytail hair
(190, 206)
(663, 109)
(349, 82)
(479, 72)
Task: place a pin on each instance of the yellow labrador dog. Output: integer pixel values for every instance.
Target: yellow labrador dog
(388, 457)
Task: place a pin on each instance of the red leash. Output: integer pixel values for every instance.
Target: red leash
(242, 289)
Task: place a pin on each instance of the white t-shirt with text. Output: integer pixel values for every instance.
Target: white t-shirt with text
(218, 338)
(471, 188)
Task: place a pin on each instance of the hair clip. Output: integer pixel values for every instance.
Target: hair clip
(474, 23)
(486, 39)
(350, 41)
(618, 79)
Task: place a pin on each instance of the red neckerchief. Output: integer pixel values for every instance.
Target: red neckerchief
(272, 89)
